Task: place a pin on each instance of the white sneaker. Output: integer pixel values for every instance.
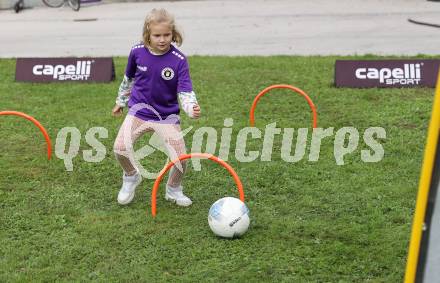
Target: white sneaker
(176, 195)
(128, 189)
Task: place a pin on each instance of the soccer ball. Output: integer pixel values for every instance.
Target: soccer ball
(228, 217)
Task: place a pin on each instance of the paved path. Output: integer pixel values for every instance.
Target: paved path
(239, 27)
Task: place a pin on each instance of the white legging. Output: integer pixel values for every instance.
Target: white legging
(132, 128)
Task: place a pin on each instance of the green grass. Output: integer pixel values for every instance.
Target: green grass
(310, 221)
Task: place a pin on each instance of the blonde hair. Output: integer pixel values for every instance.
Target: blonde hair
(157, 16)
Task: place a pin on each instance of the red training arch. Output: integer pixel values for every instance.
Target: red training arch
(295, 89)
(36, 123)
(186, 156)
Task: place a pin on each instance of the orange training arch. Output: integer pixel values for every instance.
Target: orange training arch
(295, 89)
(186, 156)
(36, 123)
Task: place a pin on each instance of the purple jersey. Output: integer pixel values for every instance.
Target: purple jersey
(157, 80)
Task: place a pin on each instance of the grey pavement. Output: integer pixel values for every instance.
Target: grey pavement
(238, 27)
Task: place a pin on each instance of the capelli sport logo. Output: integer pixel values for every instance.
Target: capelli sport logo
(142, 68)
(409, 74)
(74, 72)
(167, 73)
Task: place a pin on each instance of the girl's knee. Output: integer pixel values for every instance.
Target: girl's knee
(119, 148)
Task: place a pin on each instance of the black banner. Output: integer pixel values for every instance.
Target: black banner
(386, 73)
(64, 70)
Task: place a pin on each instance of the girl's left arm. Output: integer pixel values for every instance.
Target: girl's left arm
(188, 100)
(186, 95)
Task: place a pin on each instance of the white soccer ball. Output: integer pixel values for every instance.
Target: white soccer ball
(229, 217)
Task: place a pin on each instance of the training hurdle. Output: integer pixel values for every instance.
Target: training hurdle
(193, 155)
(36, 123)
(283, 86)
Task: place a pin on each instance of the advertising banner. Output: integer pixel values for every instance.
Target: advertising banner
(386, 73)
(45, 70)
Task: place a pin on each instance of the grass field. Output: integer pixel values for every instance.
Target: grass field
(310, 221)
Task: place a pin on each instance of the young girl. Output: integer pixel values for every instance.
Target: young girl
(156, 77)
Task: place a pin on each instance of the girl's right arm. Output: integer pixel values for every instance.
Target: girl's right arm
(123, 95)
(124, 91)
(126, 84)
